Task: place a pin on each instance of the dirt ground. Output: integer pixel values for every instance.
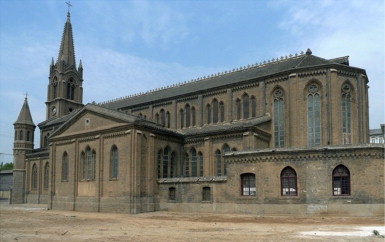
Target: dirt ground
(36, 223)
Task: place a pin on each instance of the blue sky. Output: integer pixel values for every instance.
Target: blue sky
(132, 46)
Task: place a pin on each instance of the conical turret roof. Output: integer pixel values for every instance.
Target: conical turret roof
(67, 50)
(25, 115)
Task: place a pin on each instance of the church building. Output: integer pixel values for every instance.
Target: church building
(282, 137)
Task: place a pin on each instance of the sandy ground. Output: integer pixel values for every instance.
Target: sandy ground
(35, 223)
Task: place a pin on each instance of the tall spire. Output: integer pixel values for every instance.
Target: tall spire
(25, 114)
(67, 50)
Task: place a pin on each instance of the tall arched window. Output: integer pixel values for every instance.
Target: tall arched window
(188, 115)
(346, 103)
(93, 165)
(215, 111)
(114, 162)
(54, 85)
(157, 118)
(70, 90)
(238, 108)
(28, 135)
(288, 182)
(245, 99)
(173, 164)
(193, 162)
(159, 161)
(34, 177)
(193, 116)
(222, 112)
(279, 118)
(165, 162)
(83, 164)
(314, 115)
(46, 176)
(248, 184)
(201, 164)
(162, 117)
(64, 167)
(181, 116)
(21, 135)
(253, 107)
(341, 181)
(186, 165)
(208, 111)
(89, 162)
(226, 148)
(168, 119)
(218, 158)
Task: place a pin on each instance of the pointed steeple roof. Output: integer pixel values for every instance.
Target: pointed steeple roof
(25, 114)
(67, 50)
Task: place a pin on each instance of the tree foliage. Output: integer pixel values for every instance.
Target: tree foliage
(6, 166)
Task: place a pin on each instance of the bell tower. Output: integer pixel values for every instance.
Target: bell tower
(65, 88)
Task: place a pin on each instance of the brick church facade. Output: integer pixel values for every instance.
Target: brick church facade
(286, 136)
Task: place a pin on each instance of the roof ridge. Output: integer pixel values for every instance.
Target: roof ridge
(199, 79)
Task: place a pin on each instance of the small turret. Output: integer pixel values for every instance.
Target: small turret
(23, 144)
(80, 69)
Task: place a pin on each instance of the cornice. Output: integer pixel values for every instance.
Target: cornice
(312, 73)
(293, 155)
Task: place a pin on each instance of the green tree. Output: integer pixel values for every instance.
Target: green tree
(6, 166)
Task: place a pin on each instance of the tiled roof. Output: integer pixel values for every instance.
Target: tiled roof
(226, 79)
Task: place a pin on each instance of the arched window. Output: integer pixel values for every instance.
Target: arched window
(28, 135)
(165, 162)
(157, 118)
(188, 113)
(70, 90)
(208, 111)
(181, 116)
(55, 88)
(186, 165)
(159, 161)
(140, 115)
(171, 193)
(201, 164)
(46, 176)
(279, 118)
(34, 177)
(248, 184)
(222, 112)
(21, 135)
(15, 134)
(64, 167)
(173, 164)
(193, 116)
(341, 181)
(206, 194)
(346, 103)
(114, 162)
(288, 182)
(226, 148)
(162, 117)
(89, 163)
(168, 119)
(45, 142)
(238, 108)
(193, 162)
(215, 111)
(245, 99)
(253, 107)
(218, 158)
(314, 115)
(83, 165)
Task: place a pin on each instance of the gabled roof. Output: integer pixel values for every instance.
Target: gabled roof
(25, 115)
(114, 114)
(226, 79)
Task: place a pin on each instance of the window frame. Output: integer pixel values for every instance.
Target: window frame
(249, 180)
(289, 179)
(348, 182)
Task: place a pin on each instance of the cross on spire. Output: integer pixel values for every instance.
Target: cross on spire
(69, 5)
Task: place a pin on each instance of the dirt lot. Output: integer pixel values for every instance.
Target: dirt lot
(35, 223)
